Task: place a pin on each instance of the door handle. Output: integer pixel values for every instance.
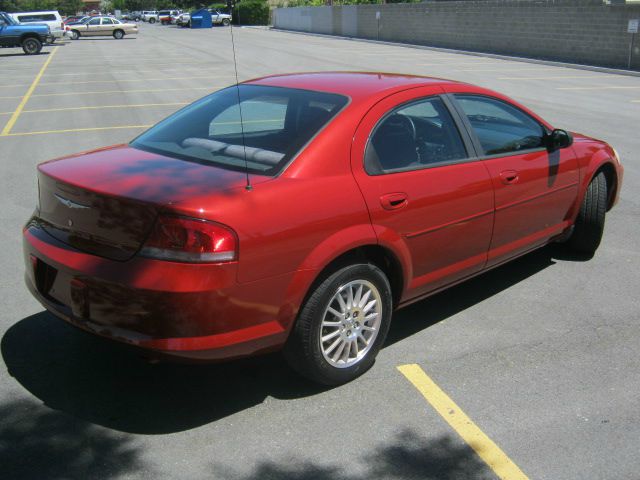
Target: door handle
(393, 201)
(509, 177)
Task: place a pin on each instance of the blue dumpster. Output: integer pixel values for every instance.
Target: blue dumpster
(201, 19)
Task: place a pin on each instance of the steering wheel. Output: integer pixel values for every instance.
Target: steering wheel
(403, 121)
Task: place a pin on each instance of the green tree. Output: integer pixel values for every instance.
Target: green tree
(70, 7)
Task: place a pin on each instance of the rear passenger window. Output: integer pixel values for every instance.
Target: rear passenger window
(500, 127)
(94, 21)
(417, 135)
(107, 21)
(42, 17)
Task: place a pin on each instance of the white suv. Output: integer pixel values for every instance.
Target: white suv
(150, 16)
(52, 18)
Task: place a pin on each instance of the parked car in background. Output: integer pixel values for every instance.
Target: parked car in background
(102, 26)
(164, 16)
(193, 240)
(29, 36)
(81, 21)
(219, 18)
(135, 16)
(184, 19)
(72, 19)
(150, 16)
(51, 18)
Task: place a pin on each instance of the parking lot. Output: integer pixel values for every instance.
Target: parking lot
(528, 371)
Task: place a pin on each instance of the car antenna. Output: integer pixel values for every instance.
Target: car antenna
(230, 5)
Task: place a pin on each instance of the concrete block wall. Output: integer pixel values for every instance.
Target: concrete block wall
(578, 31)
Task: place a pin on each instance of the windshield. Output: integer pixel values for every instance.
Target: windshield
(276, 124)
(8, 19)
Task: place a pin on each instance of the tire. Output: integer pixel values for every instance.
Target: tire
(31, 46)
(152, 20)
(118, 34)
(328, 314)
(75, 35)
(226, 22)
(589, 225)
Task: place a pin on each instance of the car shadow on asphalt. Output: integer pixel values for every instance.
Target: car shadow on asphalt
(423, 314)
(22, 54)
(107, 384)
(110, 39)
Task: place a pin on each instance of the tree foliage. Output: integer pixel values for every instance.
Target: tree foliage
(251, 12)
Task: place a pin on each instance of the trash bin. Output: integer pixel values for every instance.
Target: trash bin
(201, 19)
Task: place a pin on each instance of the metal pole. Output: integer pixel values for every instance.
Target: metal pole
(633, 37)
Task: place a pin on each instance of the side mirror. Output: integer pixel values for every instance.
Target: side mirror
(558, 139)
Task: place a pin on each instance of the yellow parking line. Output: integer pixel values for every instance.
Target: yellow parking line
(70, 130)
(602, 87)
(518, 69)
(486, 449)
(92, 73)
(555, 77)
(114, 81)
(110, 68)
(100, 107)
(150, 90)
(7, 128)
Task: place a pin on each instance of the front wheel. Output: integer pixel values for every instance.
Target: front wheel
(589, 225)
(152, 20)
(118, 34)
(31, 46)
(342, 325)
(226, 22)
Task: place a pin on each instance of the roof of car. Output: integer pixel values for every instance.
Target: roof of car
(352, 84)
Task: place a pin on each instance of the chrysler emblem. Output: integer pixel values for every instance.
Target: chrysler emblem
(70, 223)
(68, 203)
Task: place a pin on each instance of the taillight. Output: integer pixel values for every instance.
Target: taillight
(190, 240)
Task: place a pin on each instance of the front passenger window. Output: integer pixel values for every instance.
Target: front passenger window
(500, 127)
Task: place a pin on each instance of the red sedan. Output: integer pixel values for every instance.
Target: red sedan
(302, 219)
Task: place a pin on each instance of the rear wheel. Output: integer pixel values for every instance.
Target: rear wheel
(226, 22)
(31, 46)
(342, 326)
(118, 34)
(75, 35)
(589, 225)
(152, 20)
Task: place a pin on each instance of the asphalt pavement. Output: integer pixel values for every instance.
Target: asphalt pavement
(541, 355)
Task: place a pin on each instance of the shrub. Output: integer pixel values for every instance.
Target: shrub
(251, 12)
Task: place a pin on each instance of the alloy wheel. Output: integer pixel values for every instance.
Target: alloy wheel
(350, 323)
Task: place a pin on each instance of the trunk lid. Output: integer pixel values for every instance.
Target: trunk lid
(105, 202)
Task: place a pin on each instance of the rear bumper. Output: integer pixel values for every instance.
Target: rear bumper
(183, 310)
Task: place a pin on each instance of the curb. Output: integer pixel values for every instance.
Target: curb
(577, 66)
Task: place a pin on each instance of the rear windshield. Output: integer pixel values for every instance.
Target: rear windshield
(37, 17)
(276, 124)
